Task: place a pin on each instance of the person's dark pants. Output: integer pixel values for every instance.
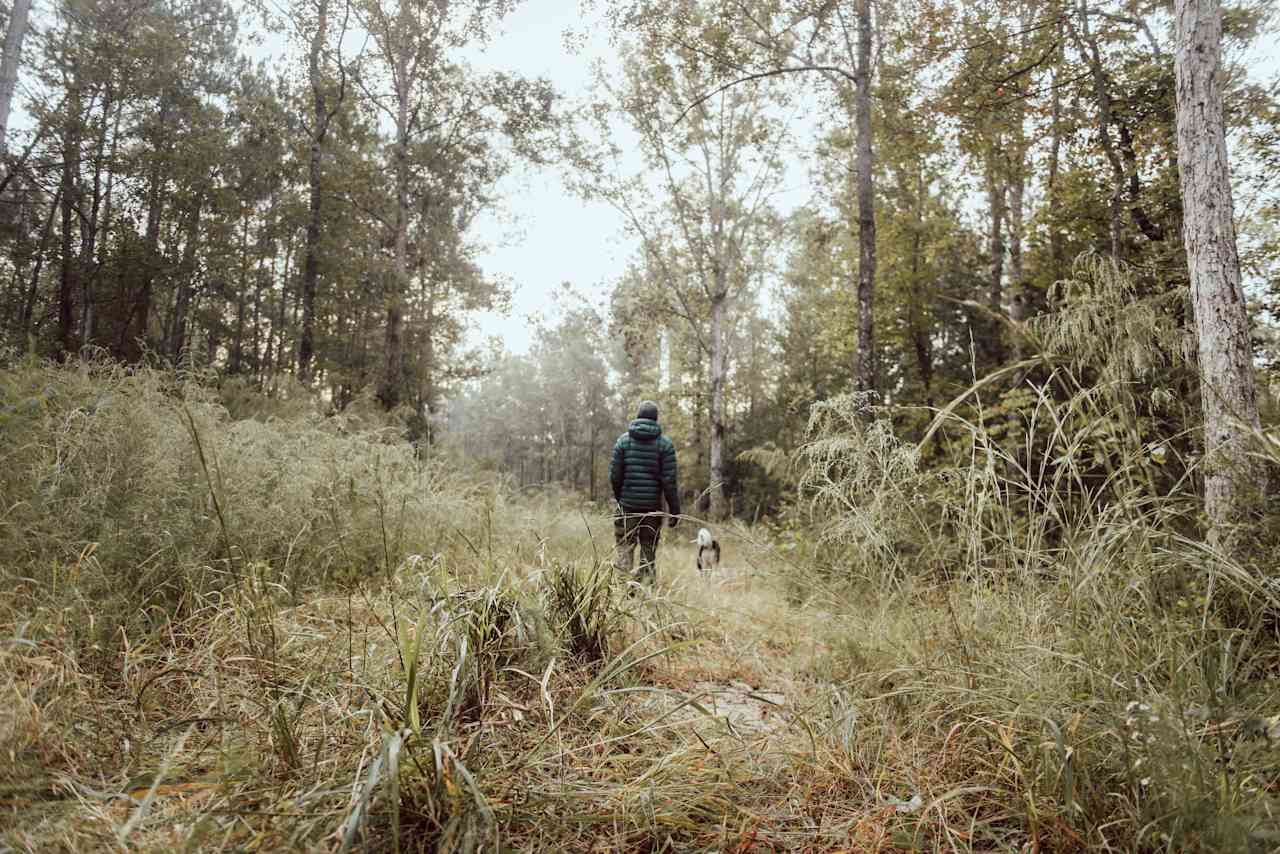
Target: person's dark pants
(630, 530)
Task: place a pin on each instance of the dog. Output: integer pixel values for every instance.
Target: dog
(708, 552)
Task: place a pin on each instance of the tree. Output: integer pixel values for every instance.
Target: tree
(10, 59)
(716, 166)
(445, 124)
(1228, 394)
(326, 100)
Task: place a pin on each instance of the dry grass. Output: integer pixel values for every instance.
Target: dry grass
(250, 724)
(328, 644)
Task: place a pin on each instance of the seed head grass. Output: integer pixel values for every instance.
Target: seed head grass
(237, 627)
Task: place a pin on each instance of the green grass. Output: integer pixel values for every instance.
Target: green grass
(311, 639)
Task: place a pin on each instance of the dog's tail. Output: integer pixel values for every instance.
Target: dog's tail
(704, 538)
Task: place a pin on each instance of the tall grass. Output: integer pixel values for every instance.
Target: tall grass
(238, 624)
(1078, 668)
(293, 632)
(140, 482)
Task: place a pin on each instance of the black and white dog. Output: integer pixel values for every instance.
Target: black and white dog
(708, 552)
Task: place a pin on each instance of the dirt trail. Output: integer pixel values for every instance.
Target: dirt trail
(742, 681)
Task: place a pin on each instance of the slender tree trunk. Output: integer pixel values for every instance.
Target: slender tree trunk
(237, 346)
(256, 362)
(393, 374)
(281, 363)
(591, 456)
(1088, 46)
(89, 230)
(921, 340)
(719, 506)
(1227, 387)
(69, 281)
(1057, 249)
(699, 432)
(996, 247)
(29, 305)
(102, 232)
(1017, 191)
(9, 62)
(319, 130)
(139, 312)
(864, 166)
(310, 271)
(428, 348)
(186, 277)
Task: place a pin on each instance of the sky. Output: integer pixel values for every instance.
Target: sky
(543, 235)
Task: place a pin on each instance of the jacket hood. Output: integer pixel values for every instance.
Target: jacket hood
(644, 430)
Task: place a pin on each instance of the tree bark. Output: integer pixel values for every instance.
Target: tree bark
(186, 274)
(139, 309)
(995, 246)
(237, 346)
(319, 131)
(921, 340)
(9, 62)
(1227, 387)
(1057, 248)
(69, 189)
(864, 165)
(719, 505)
(393, 373)
(29, 304)
(1019, 306)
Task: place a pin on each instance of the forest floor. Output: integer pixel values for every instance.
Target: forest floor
(713, 724)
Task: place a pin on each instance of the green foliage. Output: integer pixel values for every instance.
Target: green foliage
(138, 484)
(584, 605)
(1101, 652)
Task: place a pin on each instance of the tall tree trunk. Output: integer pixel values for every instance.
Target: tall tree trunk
(719, 506)
(139, 311)
(89, 229)
(186, 276)
(428, 351)
(393, 373)
(591, 456)
(319, 131)
(29, 305)
(920, 338)
(9, 62)
(699, 435)
(1017, 190)
(237, 346)
(310, 271)
(1227, 387)
(281, 363)
(69, 189)
(864, 166)
(256, 362)
(1057, 248)
(995, 246)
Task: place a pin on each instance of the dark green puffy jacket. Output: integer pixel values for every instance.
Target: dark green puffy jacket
(643, 469)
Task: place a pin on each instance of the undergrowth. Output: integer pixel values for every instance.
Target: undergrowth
(294, 632)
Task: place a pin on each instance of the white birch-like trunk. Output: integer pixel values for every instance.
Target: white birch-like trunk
(1227, 387)
(9, 62)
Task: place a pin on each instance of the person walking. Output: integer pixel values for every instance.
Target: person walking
(642, 473)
